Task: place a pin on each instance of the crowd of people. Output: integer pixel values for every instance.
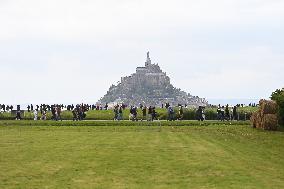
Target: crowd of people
(40, 112)
(148, 113)
(70, 107)
(6, 108)
(79, 112)
(226, 113)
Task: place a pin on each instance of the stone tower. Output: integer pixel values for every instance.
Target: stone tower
(148, 60)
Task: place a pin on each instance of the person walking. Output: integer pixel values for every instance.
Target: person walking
(235, 113)
(222, 113)
(170, 113)
(18, 115)
(154, 114)
(227, 113)
(134, 111)
(75, 114)
(144, 113)
(116, 112)
(150, 113)
(43, 116)
(180, 113)
(231, 113)
(199, 114)
(219, 113)
(120, 113)
(35, 115)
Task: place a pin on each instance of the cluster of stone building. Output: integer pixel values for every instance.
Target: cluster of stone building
(149, 86)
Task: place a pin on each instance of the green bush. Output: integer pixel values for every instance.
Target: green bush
(278, 96)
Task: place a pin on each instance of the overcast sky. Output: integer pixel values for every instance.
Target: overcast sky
(72, 51)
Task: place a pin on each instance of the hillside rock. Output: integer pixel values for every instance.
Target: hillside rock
(148, 86)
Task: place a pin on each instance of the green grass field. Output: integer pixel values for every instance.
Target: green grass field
(212, 156)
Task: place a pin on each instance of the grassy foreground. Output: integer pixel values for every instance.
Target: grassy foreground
(140, 157)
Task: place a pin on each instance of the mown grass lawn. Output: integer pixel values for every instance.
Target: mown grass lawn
(140, 157)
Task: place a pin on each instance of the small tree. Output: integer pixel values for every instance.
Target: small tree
(278, 96)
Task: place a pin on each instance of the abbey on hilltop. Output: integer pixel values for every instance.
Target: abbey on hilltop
(149, 86)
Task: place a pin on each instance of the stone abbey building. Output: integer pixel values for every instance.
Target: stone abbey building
(149, 86)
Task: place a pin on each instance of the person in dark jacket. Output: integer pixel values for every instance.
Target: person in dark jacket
(171, 113)
(200, 114)
(180, 113)
(144, 112)
(150, 113)
(154, 114)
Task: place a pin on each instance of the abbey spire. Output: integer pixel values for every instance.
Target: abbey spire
(148, 60)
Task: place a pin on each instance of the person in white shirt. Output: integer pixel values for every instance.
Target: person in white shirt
(35, 115)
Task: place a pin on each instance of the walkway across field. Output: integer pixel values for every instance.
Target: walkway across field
(118, 123)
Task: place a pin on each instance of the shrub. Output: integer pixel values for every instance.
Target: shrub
(278, 96)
